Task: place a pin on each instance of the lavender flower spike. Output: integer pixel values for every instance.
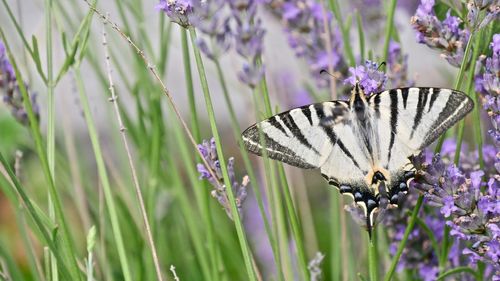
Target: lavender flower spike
(471, 204)
(249, 36)
(304, 22)
(445, 35)
(213, 20)
(209, 152)
(179, 11)
(9, 89)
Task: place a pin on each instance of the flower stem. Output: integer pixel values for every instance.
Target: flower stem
(469, 91)
(334, 6)
(248, 166)
(103, 175)
(402, 244)
(68, 245)
(211, 116)
(372, 257)
(295, 225)
(389, 26)
(189, 86)
(456, 270)
(458, 84)
(133, 171)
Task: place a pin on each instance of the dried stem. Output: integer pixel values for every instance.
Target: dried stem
(129, 156)
(172, 269)
(167, 93)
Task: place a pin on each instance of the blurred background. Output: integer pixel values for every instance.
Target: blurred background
(177, 201)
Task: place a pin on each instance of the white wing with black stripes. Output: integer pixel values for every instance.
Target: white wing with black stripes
(362, 146)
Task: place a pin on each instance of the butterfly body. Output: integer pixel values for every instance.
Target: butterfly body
(362, 146)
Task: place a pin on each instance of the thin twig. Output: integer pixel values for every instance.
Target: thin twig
(17, 163)
(167, 93)
(172, 268)
(129, 156)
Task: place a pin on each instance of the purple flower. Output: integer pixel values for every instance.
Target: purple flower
(488, 82)
(9, 89)
(491, 7)
(248, 35)
(209, 152)
(308, 36)
(397, 64)
(446, 36)
(213, 20)
(369, 77)
(179, 11)
(474, 214)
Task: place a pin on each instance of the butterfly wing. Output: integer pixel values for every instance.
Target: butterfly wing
(317, 136)
(299, 136)
(409, 119)
(314, 136)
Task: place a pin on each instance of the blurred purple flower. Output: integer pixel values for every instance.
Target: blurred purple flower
(179, 11)
(9, 89)
(249, 36)
(213, 20)
(487, 82)
(308, 36)
(209, 152)
(492, 8)
(369, 76)
(397, 66)
(444, 35)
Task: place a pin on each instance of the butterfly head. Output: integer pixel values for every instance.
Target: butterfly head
(358, 100)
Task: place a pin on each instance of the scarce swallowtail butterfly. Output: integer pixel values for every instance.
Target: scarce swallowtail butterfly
(363, 146)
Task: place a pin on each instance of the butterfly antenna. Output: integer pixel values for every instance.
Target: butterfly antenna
(324, 71)
(381, 64)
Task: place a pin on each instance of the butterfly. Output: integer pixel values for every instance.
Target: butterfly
(363, 146)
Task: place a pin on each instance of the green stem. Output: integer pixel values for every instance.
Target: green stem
(33, 122)
(211, 116)
(45, 235)
(334, 6)
(248, 165)
(402, 244)
(295, 224)
(469, 91)
(372, 258)
(103, 176)
(389, 26)
(50, 119)
(458, 84)
(189, 86)
(361, 35)
(189, 212)
(456, 270)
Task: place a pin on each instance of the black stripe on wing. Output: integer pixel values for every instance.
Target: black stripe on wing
(274, 150)
(457, 106)
(394, 121)
(288, 120)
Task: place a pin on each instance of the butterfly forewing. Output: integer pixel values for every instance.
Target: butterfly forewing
(295, 137)
(409, 119)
